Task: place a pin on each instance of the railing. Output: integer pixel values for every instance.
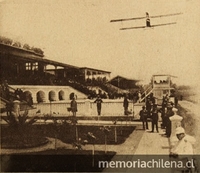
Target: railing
(146, 93)
(10, 94)
(85, 108)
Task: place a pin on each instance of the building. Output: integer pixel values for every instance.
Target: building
(124, 83)
(95, 74)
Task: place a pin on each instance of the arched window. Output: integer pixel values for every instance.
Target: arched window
(28, 97)
(52, 96)
(41, 97)
(61, 95)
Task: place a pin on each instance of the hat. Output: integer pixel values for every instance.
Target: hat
(179, 130)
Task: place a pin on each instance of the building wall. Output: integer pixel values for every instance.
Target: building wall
(34, 89)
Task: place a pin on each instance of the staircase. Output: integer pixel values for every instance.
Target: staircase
(146, 93)
(9, 95)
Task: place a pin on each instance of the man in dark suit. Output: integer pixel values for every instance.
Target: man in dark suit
(98, 101)
(154, 117)
(143, 117)
(125, 104)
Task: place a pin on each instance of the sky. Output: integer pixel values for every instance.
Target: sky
(79, 32)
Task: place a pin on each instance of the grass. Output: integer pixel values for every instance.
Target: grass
(67, 133)
(36, 135)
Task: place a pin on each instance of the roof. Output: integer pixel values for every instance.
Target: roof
(4, 48)
(164, 75)
(118, 76)
(32, 56)
(29, 55)
(95, 69)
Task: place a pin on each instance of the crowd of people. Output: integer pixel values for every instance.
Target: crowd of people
(183, 150)
(151, 112)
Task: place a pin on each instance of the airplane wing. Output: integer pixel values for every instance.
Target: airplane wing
(140, 27)
(137, 18)
(166, 15)
(163, 24)
(120, 20)
(137, 27)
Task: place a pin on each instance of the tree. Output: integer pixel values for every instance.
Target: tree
(17, 44)
(37, 50)
(20, 131)
(27, 47)
(5, 40)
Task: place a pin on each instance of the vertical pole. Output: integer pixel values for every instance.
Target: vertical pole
(105, 143)
(55, 136)
(115, 134)
(76, 132)
(50, 108)
(93, 156)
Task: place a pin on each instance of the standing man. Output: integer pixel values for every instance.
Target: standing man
(152, 99)
(154, 118)
(98, 101)
(148, 107)
(74, 106)
(143, 117)
(169, 113)
(125, 104)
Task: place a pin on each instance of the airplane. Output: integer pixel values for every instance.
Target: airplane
(148, 23)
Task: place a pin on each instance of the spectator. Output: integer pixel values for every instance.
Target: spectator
(148, 107)
(143, 117)
(152, 99)
(185, 144)
(98, 101)
(154, 117)
(169, 113)
(125, 104)
(74, 106)
(183, 150)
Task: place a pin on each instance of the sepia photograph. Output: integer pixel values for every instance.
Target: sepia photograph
(100, 86)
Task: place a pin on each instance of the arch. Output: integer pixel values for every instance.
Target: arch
(52, 95)
(71, 95)
(27, 93)
(61, 95)
(28, 97)
(41, 96)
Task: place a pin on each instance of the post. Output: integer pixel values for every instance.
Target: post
(76, 131)
(105, 143)
(115, 134)
(50, 109)
(93, 156)
(175, 122)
